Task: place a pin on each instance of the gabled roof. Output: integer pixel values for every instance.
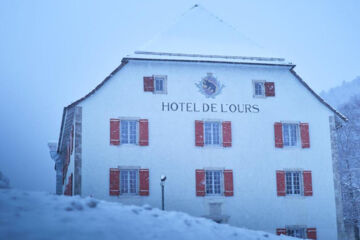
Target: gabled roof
(198, 31)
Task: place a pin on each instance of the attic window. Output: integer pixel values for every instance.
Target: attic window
(259, 89)
(160, 84)
(263, 89)
(156, 84)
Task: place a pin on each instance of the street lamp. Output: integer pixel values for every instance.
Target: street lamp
(162, 183)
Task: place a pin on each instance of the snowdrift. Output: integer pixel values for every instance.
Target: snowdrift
(38, 215)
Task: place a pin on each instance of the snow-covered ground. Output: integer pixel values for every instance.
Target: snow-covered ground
(38, 215)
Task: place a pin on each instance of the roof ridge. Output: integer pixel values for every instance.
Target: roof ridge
(211, 56)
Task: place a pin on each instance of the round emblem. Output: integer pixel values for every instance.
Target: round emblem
(209, 86)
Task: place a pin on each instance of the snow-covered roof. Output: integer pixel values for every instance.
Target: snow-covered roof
(198, 31)
(200, 36)
(186, 57)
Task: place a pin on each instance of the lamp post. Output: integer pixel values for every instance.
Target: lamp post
(162, 183)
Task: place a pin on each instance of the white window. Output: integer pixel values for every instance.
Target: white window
(129, 131)
(290, 132)
(212, 132)
(295, 231)
(259, 88)
(293, 182)
(129, 181)
(213, 182)
(160, 84)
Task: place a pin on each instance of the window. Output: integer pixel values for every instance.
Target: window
(259, 89)
(290, 134)
(263, 89)
(213, 182)
(212, 133)
(294, 231)
(129, 130)
(128, 181)
(160, 84)
(293, 183)
(155, 84)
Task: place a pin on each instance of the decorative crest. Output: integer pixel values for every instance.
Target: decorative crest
(210, 86)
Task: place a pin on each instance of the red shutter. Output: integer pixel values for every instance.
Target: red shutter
(280, 183)
(68, 154)
(68, 188)
(226, 128)
(144, 182)
(307, 183)
(200, 182)
(199, 133)
(144, 132)
(148, 84)
(228, 183)
(311, 233)
(114, 182)
(304, 132)
(114, 131)
(70, 180)
(269, 89)
(280, 231)
(278, 135)
(72, 139)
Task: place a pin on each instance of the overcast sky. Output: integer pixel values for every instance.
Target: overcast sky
(54, 52)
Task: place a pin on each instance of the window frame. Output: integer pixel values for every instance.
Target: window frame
(130, 168)
(296, 227)
(301, 182)
(262, 82)
(128, 130)
(298, 138)
(221, 184)
(164, 79)
(212, 133)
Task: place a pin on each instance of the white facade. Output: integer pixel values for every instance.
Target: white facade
(171, 150)
(253, 156)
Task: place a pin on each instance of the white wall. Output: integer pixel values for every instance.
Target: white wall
(252, 157)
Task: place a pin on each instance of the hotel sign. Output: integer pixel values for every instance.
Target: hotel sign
(209, 107)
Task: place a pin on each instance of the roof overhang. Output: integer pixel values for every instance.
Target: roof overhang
(200, 58)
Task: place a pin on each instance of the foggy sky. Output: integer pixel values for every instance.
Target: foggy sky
(54, 52)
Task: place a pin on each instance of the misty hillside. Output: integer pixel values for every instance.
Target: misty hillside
(38, 215)
(339, 95)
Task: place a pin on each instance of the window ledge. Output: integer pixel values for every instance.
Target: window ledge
(295, 197)
(214, 198)
(132, 196)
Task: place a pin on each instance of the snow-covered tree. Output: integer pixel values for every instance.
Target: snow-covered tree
(349, 164)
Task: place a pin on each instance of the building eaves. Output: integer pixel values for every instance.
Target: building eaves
(123, 63)
(340, 115)
(201, 58)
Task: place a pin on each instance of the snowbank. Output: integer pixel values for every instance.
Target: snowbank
(37, 215)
